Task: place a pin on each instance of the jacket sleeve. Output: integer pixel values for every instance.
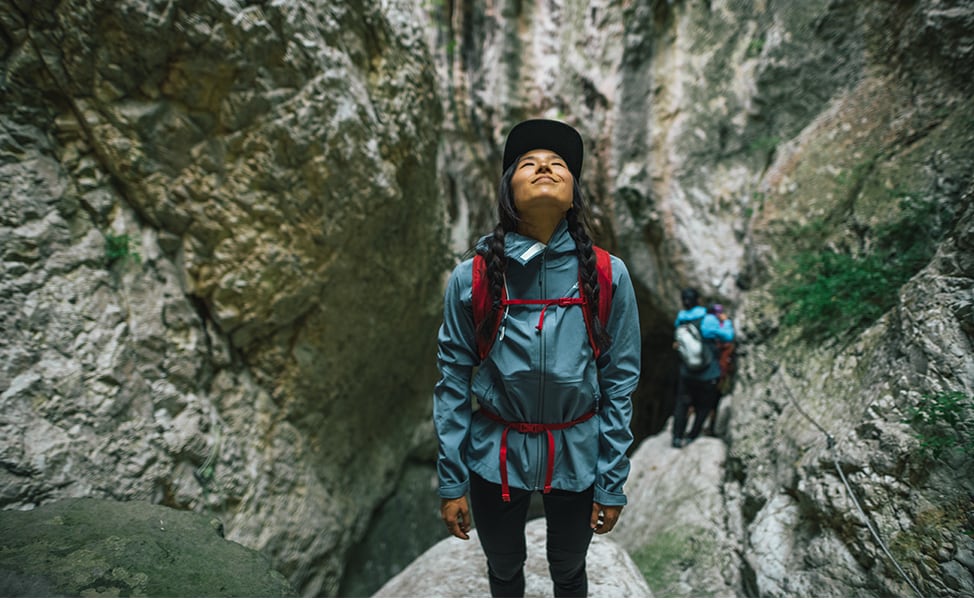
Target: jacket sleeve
(711, 329)
(618, 378)
(456, 358)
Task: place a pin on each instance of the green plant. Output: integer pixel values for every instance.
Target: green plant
(755, 47)
(943, 421)
(766, 143)
(662, 561)
(857, 174)
(830, 293)
(119, 247)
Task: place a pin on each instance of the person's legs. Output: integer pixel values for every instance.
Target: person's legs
(703, 395)
(567, 515)
(680, 413)
(500, 527)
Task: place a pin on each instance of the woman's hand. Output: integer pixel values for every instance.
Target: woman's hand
(604, 517)
(456, 515)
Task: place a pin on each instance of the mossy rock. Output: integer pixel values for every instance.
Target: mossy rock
(668, 561)
(92, 547)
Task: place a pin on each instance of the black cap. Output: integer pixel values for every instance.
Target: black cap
(545, 134)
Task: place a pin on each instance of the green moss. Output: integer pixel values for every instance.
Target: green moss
(664, 560)
(91, 547)
(755, 47)
(931, 531)
(834, 292)
(942, 422)
(119, 247)
(763, 144)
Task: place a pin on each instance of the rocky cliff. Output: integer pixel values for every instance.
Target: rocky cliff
(225, 224)
(222, 253)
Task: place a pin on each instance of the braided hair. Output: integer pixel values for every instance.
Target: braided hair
(496, 260)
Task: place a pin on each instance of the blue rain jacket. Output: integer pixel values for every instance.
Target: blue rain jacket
(532, 376)
(712, 331)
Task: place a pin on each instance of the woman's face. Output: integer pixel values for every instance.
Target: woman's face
(541, 184)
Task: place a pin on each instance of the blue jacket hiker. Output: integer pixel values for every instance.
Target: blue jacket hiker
(698, 388)
(538, 413)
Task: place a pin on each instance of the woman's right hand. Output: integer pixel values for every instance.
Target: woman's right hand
(456, 515)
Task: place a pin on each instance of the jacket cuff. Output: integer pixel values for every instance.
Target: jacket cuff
(449, 492)
(606, 498)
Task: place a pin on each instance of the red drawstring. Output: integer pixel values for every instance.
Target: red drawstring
(546, 302)
(531, 428)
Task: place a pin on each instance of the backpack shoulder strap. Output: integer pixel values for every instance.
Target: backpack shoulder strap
(480, 295)
(603, 268)
(603, 264)
(481, 300)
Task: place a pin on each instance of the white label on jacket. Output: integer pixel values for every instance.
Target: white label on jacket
(533, 251)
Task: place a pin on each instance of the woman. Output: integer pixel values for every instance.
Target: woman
(550, 419)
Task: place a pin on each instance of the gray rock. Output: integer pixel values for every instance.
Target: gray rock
(677, 525)
(88, 547)
(457, 568)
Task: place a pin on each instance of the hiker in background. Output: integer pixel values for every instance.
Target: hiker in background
(697, 333)
(541, 328)
(725, 358)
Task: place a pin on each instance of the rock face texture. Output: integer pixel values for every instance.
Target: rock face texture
(681, 526)
(89, 547)
(224, 227)
(222, 251)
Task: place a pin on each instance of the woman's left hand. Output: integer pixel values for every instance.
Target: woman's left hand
(604, 517)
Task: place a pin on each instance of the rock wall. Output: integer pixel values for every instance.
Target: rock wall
(259, 345)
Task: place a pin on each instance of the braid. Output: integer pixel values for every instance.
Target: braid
(496, 263)
(495, 258)
(587, 273)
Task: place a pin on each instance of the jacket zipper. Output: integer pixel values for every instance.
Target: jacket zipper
(541, 447)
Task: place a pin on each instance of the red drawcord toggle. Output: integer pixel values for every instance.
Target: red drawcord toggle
(546, 302)
(531, 428)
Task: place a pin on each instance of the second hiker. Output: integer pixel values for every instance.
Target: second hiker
(698, 333)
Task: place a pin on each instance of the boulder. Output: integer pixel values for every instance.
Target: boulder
(679, 524)
(91, 547)
(457, 568)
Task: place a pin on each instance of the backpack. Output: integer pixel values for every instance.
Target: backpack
(697, 354)
(481, 300)
(728, 365)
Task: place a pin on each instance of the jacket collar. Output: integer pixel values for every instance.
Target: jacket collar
(523, 249)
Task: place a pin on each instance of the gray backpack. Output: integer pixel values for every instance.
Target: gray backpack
(696, 353)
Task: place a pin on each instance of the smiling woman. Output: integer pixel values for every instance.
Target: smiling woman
(542, 186)
(555, 403)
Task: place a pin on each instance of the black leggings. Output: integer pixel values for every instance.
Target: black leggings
(500, 527)
(702, 396)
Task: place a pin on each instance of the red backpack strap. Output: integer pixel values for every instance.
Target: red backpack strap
(603, 269)
(480, 295)
(603, 265)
